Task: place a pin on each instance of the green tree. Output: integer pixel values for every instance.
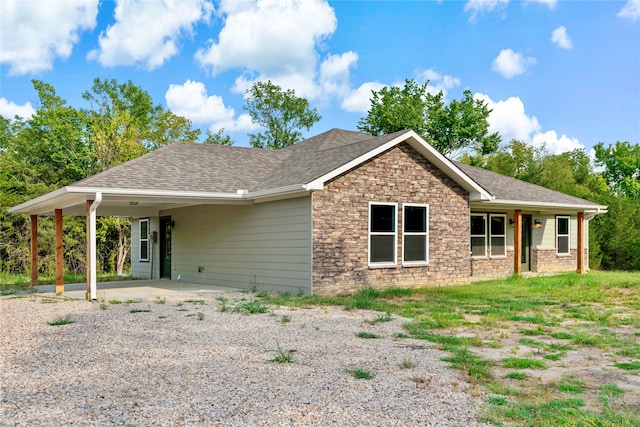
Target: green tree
(622, 167)
(281, 112)
(218, 138)
(451, 128)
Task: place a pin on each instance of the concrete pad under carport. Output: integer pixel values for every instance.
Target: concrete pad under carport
(137, 289)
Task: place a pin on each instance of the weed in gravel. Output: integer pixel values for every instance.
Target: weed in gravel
(195, 301)
(360, 373)
(516, 375)
(364, 334)
(104, 306)
(223, 304)
(285, 318)
(282, 355)
(463, 359)
(251, 307)
(140, 310)
(115, 301)
(561, 335)
(61, 320)
(554, 356)
(380, 318)
(628, 366)
(532, 332)
(523, 363)
(407, 363)
(200, 315)
(161, 300)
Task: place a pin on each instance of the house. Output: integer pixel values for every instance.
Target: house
(331, 214)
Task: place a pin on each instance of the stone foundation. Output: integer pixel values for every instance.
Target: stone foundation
(491, 268)
(547, 261)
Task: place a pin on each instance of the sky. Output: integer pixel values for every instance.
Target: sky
(565, 74)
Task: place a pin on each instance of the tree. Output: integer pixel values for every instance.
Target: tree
(280, 112)
(453, 128)
(218, 138)
(622, 167)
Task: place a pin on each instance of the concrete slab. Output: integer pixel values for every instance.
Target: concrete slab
(137, 289)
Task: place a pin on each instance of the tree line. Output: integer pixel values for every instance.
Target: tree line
(60, 144)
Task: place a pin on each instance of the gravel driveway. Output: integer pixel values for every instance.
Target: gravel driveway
(172, 366)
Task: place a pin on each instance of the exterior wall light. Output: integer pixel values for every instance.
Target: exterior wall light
(537, 223)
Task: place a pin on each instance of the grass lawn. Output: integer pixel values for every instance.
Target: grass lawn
(548, 351)
(10, 283)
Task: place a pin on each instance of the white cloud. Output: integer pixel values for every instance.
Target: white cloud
(437, 82)
(34, 33)
(274, 40)
(510, 64)
(9, 109)
(555, 144)
(480, 6)
(510, 120)
(631, 10)
(561, 39)
(147, 32)
(335, 72)
(359, 100)
(192, 101)
(550, 3)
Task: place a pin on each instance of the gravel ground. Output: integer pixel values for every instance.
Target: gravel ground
(168, 367)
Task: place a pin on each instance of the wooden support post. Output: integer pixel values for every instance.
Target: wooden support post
(581, 261)
(59, 288)
(517, 242)
(89, 260)
(34, 250)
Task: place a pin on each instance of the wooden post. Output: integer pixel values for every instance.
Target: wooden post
(59, 288)
(34, 250)
(89, 260)
(581, 264)
(517, 242)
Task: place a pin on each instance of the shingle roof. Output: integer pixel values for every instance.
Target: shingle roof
(215, 168)
(505, 188)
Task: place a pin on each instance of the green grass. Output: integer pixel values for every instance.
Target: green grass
(476, 367)
(523, 363)
(10, 282)
(363, 334)
(628, 366)
(516, 375)
(251, 307)
(282, 355)
(61, 320)
(360, 373)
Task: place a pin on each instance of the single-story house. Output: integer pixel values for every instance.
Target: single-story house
(331, 214)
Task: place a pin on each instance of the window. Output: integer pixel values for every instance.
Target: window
(562, 235)
(498, 235)
(478, 236)
(382, 234)
(415, 234)
(144, 240)
(496, 244)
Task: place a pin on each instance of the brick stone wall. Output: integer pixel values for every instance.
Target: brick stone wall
(547, 261)
(340, 224)
(492, 268)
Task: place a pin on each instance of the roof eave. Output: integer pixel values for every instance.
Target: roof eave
(546, 205)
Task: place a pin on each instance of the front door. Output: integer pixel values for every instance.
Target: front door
(165, 247)
(526, 243)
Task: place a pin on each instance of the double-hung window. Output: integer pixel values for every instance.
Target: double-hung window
(144, 239)
(415, 234)
(488, 241)
(478, 236)
(383, 235)
(562, 235)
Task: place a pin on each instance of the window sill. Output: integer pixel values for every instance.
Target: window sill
(415, 264)
(374, 266)
(479, 257)
(498, 257)
(562, 255)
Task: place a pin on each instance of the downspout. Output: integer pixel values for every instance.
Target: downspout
(92, 246)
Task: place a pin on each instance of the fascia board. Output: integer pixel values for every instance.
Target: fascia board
(520, 204)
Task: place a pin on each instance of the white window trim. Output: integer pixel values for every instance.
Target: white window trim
(140, 240)
(425, 233)
(568, 235)
(504, 236)
(486, 251)
(395, 237)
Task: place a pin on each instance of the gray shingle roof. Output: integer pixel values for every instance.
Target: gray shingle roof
(215, 168)
(506, 188)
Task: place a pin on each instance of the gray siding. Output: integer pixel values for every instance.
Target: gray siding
(142, 269)
(263, 246)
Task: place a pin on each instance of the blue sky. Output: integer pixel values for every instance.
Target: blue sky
(562, 73)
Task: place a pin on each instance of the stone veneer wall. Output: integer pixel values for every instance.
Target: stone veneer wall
(340, 224)
(492, 267)
(544, 261)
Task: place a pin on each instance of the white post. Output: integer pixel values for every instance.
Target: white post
(92, 247)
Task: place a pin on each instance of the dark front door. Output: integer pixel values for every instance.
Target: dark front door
(526, 243)
(165, 247)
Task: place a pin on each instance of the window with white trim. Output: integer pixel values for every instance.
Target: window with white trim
(144, 239)
(415, 234)
(383, 236)
(497, 235)
(562, 235)
(478, 236)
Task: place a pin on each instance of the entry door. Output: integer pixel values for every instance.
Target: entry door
(526, 243)
(165, 247)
